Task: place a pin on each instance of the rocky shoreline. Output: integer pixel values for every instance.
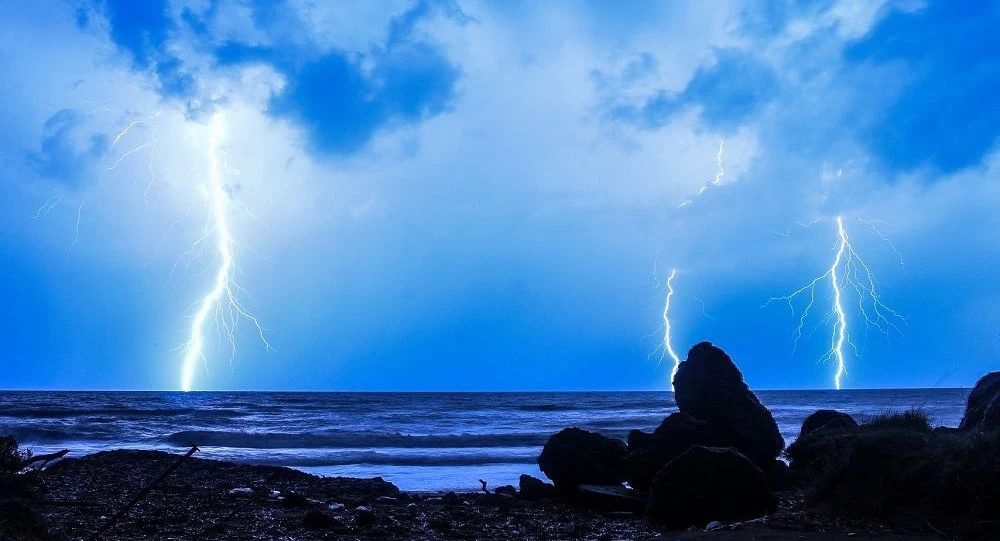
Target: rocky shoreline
(208, 499)
(716, 469)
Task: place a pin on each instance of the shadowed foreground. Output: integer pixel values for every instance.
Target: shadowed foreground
(198, 502)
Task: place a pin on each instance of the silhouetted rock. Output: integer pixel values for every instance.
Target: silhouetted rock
(982, 411)
(827, 420)
(509, 490)
(704, 484)
(533, 488)
(317, 519)
(708, 386)
(779, 476)
(648, 453)
(575, 456)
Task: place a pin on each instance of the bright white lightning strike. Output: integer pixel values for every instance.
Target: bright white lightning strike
(223, 298)
(668, 347)
(847, 270)
(718, 175)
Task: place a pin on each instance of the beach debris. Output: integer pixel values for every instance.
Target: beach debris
(242, 492)
(387, 499)
(574, 456)
(533, 488)
(706, 484)
(483, 482)
(610, 498)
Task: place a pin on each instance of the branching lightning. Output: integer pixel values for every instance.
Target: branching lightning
(668, 347)
(847, 272)
(720, 172)
(223, 299)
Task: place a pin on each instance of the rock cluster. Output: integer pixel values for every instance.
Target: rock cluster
(715, 459)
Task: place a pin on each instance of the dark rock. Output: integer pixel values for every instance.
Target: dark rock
(509, 490)
(575, 456)
(317, 519)
(709, 483)
(364, 516)
(982, 410)
(533, 488)
(779, 476)
(293, 499)
(709, 386)
(827, 420)
(648, 453)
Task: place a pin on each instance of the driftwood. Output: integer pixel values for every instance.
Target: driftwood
(141, 494)
(44, 459)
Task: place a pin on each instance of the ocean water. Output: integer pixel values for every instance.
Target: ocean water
(420, 441)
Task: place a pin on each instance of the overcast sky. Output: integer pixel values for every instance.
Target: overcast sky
(471, 195)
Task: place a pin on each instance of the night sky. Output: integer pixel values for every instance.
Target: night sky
(467, 195)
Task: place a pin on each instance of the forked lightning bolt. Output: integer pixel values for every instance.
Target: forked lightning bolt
(223, 299)
(668, 347)
(718, 175)
(848, 272)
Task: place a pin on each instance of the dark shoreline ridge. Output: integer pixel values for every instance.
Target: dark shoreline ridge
(709, 471)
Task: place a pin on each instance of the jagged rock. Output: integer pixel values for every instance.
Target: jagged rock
(982, 411)
(575, 456)
(648, 453)
(704, 484)
(533, 488)
(709, 386)
(827, 420)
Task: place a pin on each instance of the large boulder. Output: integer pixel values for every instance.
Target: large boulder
(648, 453)
(706, 484)
(982, 411)
(825, 439)
(709, 386)
(828, 420)
(574, 456)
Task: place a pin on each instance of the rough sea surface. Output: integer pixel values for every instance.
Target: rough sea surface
(419, 441)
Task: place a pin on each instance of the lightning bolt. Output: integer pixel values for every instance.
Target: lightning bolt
(668, 347)
(720, 172)
(223, 299)
(847, 272)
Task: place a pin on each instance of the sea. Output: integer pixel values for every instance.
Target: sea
(419, 441)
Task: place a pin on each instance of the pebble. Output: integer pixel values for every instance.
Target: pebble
(243, 492)
(714, 525)
(335, 506)
(386, 499)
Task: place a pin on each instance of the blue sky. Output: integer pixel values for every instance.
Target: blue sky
(466, 195)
